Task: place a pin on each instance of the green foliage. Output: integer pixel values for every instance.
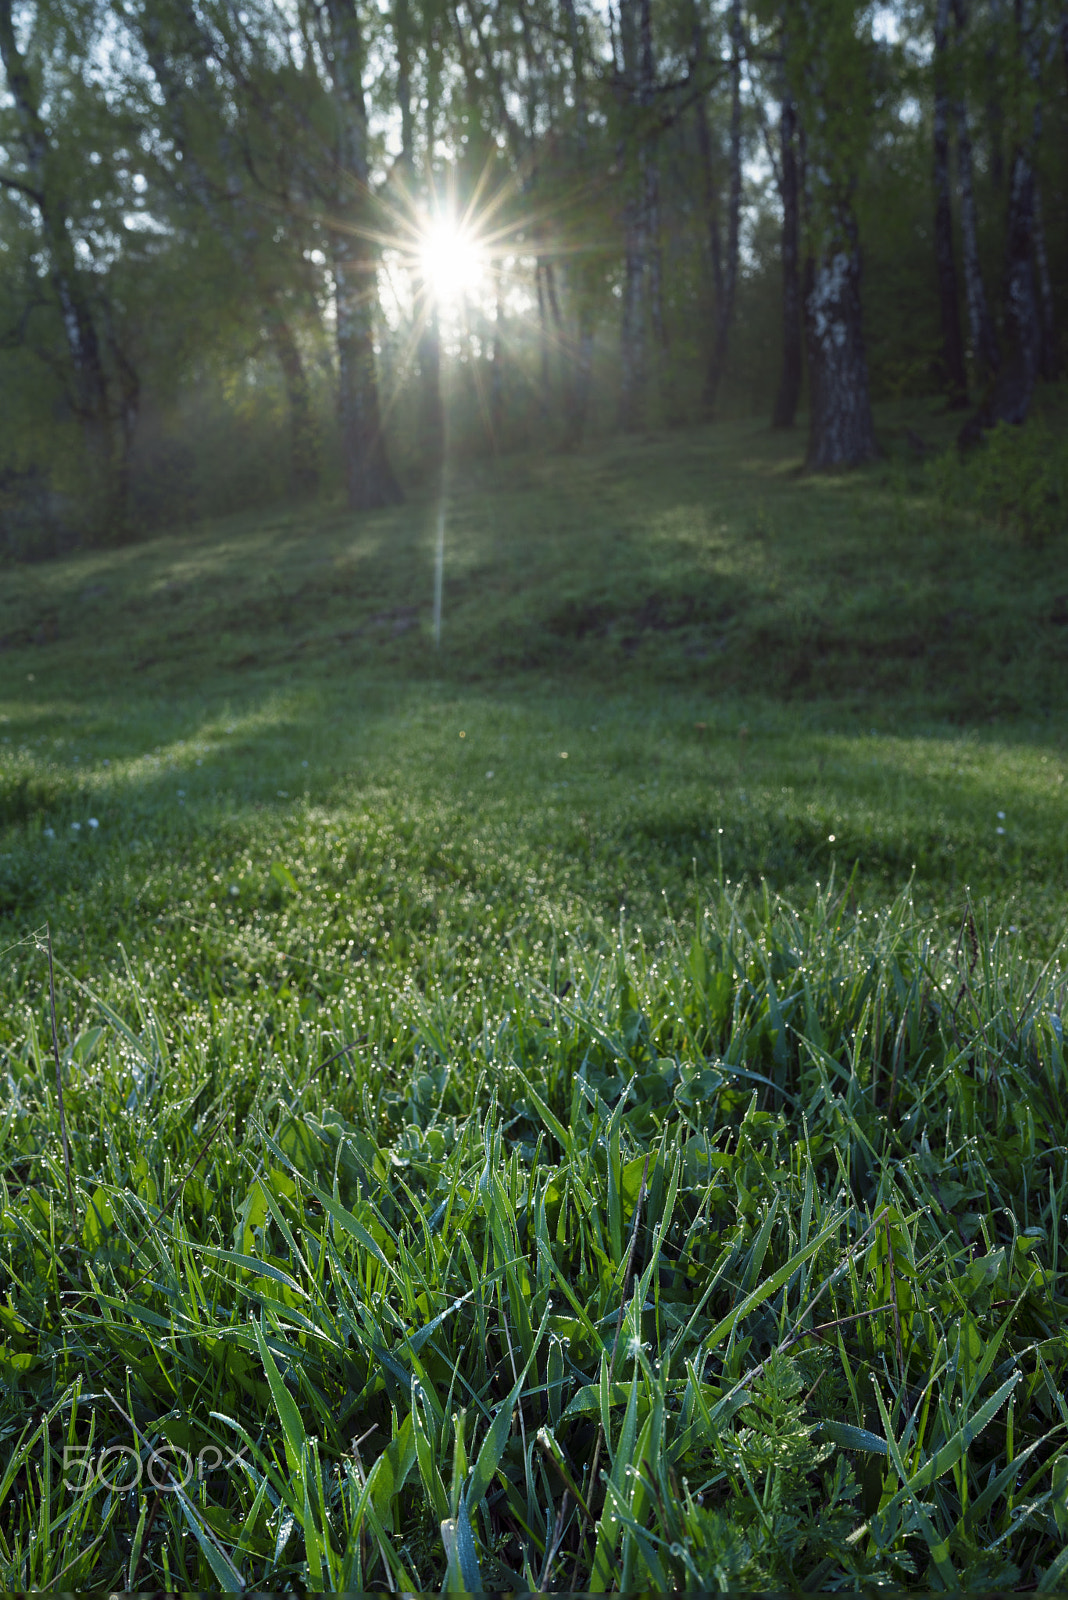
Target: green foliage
(1018, 477)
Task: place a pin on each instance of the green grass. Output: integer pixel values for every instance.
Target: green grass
(686, 848)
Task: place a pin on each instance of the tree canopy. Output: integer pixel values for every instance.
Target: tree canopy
(246, 250)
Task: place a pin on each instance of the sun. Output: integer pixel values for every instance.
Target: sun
(451, 260)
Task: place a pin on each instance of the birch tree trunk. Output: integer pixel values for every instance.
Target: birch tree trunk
(710, 186)
(829, 64)
(581, 273)
(651, 185)
(725, 300)
(954, 376)
(841, 429)
(369, 477)
(986, 353)
(789, 392)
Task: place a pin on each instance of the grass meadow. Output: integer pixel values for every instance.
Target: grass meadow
(581, 1106)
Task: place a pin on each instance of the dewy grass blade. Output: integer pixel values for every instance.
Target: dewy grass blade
(492, 1447)
(426, 1449)
(770, 1286)
(230, 1580)
(848, 1437)
(294, 1438)
(935, 1466)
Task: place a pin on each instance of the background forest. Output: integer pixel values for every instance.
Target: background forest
(248, 250)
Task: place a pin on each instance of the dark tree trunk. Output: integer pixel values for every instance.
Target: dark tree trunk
(639, 211)
(632, 334)
(708, 174)
(128, 384)
(498, 385)
(984, 341)
(431, 409)
(1022, 324)
(1049, 364)
(655, 255)
(994, 118)
(303, 442)
(841, 430)
(725, 301)
(581, 279)
(1009, 398)
(105, 445)
(651, 188)
(369, 477)
(578, 394)
(545, 384)
(953, 374)
(789, 394)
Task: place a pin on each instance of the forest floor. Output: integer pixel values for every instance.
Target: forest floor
(722, 842)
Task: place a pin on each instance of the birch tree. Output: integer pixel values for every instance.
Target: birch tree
(830, 63)
(726, 287)
(954, 376)
(788, 395)
(986, 353)
(642, 283)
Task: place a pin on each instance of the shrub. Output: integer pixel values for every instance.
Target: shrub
(1019, 478)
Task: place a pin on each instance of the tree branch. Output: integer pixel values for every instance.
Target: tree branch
(20, 184)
